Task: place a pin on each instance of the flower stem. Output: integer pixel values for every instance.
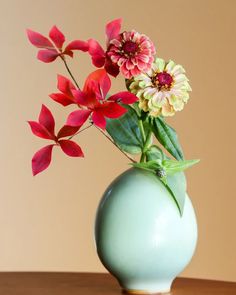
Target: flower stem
(146, 140)
(69, 71)
(132, 160)
(140, 122)
(87, 127)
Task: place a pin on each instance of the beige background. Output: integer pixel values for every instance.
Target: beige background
(46, 223)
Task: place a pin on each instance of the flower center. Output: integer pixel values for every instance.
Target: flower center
(130, 47)
(164, 81)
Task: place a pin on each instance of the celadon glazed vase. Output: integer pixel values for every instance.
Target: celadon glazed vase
(141, 237)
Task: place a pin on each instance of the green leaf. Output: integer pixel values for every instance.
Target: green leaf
(172, 166)
(150, 165)
(176, 185)
(167, 136)
(154, 153)
(125, 132)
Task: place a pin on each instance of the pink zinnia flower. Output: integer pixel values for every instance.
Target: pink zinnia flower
(129, 52)
(132, 52)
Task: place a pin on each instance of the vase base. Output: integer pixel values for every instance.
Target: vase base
(144, 292)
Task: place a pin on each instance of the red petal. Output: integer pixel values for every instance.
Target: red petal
(57, 37)
(80, 97)
(125, 97)
(97, 53)
(78, 118)
(102, 86)
(77, 45)
(111, 68)
(99, 119)
(89, 100)
(71, 148)
(40, 130)
(47, 55)
(39, 40)
(113, 29)
(67, 131)
(64, 84)
(46, 119)
(61, 98)
(112, 110)
(42, 159)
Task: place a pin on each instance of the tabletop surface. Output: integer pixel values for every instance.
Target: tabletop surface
(33, 283)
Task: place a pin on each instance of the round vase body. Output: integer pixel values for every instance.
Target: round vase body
(140, 236)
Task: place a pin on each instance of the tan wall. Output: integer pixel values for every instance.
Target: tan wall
(46, 223)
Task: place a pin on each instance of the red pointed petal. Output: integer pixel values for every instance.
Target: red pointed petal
(57, 37)
(42, 159)
(61, 98)
(112, 110)
(64, 84)
(102, 85)
(125, 97)
(69, 53)
(99, 119)
(40, 130)
(77, 45)
(67, 131)
(111, 68)
(47, 55)
(39, 40)
(97, 53)
(71, 148)
(113, 29)
(78, 118)
(46, 119)
(80, 97)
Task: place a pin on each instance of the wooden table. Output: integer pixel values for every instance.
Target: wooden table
(96, 284)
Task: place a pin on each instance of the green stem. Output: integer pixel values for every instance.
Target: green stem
(146, 144)
(140, 122)
(146, 140)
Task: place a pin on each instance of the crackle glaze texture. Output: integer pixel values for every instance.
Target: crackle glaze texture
(140, 236)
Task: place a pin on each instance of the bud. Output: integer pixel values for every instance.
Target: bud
(161, 173)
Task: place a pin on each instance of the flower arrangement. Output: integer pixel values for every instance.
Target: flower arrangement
(129, 119)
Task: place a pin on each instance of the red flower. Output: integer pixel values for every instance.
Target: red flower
(93, 97)
(52, 46)
(130, 52)
(45, 128)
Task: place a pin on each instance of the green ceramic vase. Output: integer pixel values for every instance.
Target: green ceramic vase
(140, 236)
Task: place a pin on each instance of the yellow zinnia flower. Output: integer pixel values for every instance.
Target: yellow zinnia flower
(162, 90)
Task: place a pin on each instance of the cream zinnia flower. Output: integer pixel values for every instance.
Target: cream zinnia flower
(163, 89)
